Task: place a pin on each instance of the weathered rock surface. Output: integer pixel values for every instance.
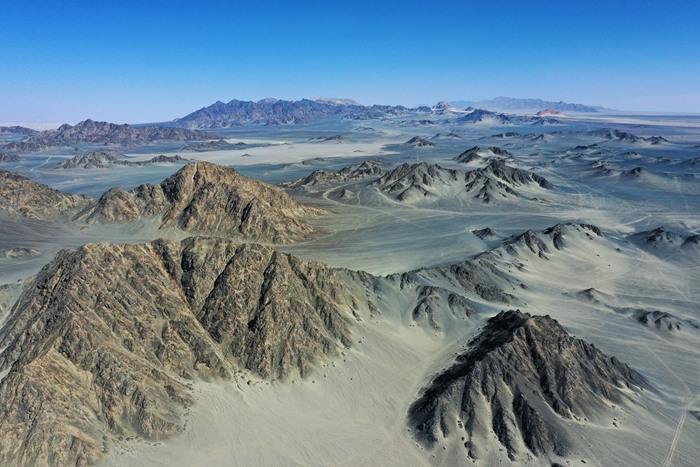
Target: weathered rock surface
(416, 181)
(496, 181)
(20, 196)
(209, 199)
(105, 341)
(351, 173)
(477, 153)
(519, 380)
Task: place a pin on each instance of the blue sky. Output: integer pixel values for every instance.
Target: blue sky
(153, 61)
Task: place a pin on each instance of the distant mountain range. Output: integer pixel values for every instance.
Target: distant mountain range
(92, 132)
(279, 112)
(511, 104)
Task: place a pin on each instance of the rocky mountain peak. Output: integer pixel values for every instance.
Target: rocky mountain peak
(208, 198)
(519, 379)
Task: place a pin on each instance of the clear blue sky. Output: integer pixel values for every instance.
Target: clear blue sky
(150, 61)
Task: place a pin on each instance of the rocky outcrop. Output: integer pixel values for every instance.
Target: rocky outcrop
(106, 340)
(209, 199)
(625, 137)
(415, 181)
(662, 241)
(477, 154)
(486, 233)
(20, 196)
(419, 142)
(351, 173)
(499, 181)
(434, 303)
(215, 145)
(91, 160)
(544, 242)
(519, 380)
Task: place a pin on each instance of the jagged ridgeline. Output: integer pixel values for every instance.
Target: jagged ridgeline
(209, 199)
(20, 196)
(106, 340)
(519, 381)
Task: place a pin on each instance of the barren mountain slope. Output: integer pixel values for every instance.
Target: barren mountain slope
(206, 198)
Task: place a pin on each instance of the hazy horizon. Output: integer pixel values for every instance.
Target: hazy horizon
(152, 61)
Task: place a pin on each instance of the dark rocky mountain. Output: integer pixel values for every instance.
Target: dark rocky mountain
(510, 104)
(487, 275)
(519, 383)
(85, 370)
(636, 173)
(443, 108)
(448, 135)
(419, 142)
(658, 320)
(103, 160)
(8, 157)
(411, 181)
(496, 181)
(16, 131)
(484, 116)
(209, 199)
(281, 112)
(477, 154)
(477, 115)
(20, 196)
(92, 132)
(486, 233)
(548, 112)
(328, 139)
(215, 145)
(364, 170)
(513, 175)
(91, 160)
(623, 136)
(664, 240)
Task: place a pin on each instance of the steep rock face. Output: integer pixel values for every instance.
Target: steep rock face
(207, 198)
(104, 342)
(351, 173)
(20, 196)
(520, 378)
